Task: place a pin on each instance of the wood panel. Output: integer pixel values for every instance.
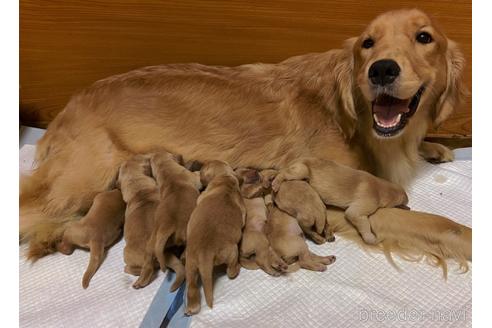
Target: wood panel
(67, 44)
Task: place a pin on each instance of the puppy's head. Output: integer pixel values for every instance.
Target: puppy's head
(212, 169)
(138, 164)
(406, 71)
(251, 182)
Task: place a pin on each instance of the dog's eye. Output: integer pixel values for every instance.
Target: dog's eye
(368, 43)
(424, 37)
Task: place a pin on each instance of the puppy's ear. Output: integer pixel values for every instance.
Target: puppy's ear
(344, 107)
(179, 159)
(193, 165)
(249, 176)
(455, 92)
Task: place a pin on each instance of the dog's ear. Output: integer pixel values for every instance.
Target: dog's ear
(455, 92)
(344, 107)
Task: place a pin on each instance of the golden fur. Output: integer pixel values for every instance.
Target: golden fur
(359, 192)
(287, 240)
(411, 235)
(255, 251)
(214, 232)
(256, 115)
(100, 228)
(179, 191)
(141, 195)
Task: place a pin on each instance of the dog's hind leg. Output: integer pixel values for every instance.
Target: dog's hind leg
(233, 265)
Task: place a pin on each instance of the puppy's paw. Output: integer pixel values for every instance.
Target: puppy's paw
(318, 239)
(436, 153)
(192, 309)
(369, 238)
(276, 183)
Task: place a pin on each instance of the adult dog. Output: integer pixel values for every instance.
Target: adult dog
(367, 106)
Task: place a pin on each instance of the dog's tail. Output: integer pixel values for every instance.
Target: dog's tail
(411, 235)
(178, 267)
(97, 255)
(206, 268)
(162, 235)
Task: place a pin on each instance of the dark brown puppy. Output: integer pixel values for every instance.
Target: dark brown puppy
(359, 192)
(98, 229)
(179, 191)
(214, 232)
(142, 197)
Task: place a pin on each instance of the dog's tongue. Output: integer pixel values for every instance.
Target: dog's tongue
(387, 108)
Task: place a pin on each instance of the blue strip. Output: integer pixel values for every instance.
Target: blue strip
(162, 302)
(463, 154)
(180, 320)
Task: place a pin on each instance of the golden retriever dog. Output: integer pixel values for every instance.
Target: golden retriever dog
(214, 232)
(359, 192)
(179, 191)
(141, 195)
(287, 240)
(367, 106)
(100, 228)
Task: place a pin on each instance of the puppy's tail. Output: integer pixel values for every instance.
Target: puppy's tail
(206, 268)
(97, 254)
(162, 235)
(177, 266)
(411, 235)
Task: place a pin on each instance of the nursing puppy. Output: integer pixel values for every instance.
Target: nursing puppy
(98, 229)
(359, 192)
(214, 232)
(142, 197)
(255, 251)
(300, 200)
(287, 239)
(179, 191)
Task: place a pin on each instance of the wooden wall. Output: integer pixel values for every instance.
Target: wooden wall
(68, 44)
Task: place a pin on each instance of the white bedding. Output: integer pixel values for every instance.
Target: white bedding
(359, 290)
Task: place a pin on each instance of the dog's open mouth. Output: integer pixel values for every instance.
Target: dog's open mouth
(391, 114)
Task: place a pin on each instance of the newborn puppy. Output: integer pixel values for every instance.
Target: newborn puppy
(179, 191)
(214, 231)
(98, 229)
(359, 192)
(255, 251)
(142, 197)
(298, 199)
(287, 240)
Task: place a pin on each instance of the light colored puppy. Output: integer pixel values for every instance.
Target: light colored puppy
(141, 195)
(287, 239)
(300, 200)
(179, 191)
(98, 229)
(255, 251)
(214, 232)
(359, 192)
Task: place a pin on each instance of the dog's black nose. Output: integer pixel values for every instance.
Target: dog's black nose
(384, 71)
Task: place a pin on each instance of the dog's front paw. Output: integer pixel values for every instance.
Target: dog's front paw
(436, 153)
